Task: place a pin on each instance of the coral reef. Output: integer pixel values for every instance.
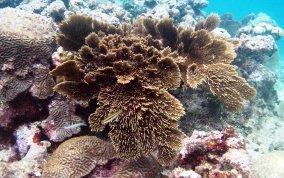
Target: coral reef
(77, 157)
(127, 72)
(216, 154)
(136, 87)
(62, 121)
(258, 48)
(21, 48)
(260, 24)
(131, 74)
(32, 154)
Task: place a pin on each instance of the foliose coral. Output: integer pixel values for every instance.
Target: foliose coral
(77, 157)
(129, 72)
(203, 58)
(129, 75)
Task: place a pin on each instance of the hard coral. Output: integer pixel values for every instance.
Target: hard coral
(204, 58)
(143, 167)
(62, 121)
(77, 27)
(128, 75)
(20, 48)
(207, 59)
(77, 157)
(129, 72)
(43, 82)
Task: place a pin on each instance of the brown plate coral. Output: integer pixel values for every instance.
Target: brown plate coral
(130, 70)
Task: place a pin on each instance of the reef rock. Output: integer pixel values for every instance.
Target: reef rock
(259, 48)
(260, 24)
(216, 154)
(56, 10)
(21, 110)
(228, 23)
(29, 40)
(32, 152)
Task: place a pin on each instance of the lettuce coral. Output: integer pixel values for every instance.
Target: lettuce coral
(127, 74)
(130, 70)
(208, 59)
(202, 57)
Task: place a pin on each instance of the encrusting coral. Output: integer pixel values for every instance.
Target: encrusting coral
(77, 157)
(129, 72)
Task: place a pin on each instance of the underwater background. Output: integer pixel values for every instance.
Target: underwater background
(244, 7)
(141, 88)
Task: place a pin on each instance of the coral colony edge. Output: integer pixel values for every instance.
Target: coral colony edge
(138, 89)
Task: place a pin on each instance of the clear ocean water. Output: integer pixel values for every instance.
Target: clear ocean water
(241, 8)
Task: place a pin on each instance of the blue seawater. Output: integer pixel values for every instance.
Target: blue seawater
(241, 8)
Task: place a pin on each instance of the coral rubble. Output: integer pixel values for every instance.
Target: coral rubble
(32, 154)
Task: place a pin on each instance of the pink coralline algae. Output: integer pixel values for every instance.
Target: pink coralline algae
(32, 152)
(183, 173)
(216, 154)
